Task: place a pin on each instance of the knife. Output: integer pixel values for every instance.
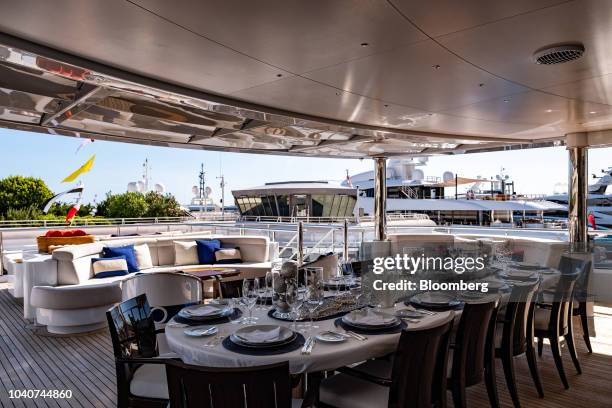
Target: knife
(306, 346)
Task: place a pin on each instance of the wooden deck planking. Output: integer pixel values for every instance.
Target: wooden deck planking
(84, 364)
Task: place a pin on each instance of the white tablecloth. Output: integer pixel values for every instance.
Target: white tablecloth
(324, 356)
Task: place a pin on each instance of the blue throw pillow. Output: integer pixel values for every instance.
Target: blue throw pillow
(127, 251)
(107, 267)
(206, 250)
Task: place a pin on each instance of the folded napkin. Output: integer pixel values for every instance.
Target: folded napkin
(202, 311)
(371, 318)
(261, 335)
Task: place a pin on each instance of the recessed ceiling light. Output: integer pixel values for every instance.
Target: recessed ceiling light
(385, 105)
(481, 85)
(337, 93)
(279, 75)
(436, 66)
(548, 110)
(506, 100)
(364, 44)
(592, 112)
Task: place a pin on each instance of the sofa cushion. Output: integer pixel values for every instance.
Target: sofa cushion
(185, 253)
(150, 381)
(228, 256)
(108, 267)
(75, 296)
(143, 256)
(127, 251)
(206, 250)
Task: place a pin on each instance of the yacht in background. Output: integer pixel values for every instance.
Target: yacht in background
(482, 202)
(598, 202)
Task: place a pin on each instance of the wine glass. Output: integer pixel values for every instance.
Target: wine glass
(295, 300)
(250, 289)
(234, 304)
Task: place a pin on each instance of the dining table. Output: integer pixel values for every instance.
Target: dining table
(210, 352)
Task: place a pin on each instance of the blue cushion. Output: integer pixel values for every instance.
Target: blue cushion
(127, 251)
(107, 267)
(206, 250)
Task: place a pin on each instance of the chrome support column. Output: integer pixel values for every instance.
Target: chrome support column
(300, 243)
(578, 192)
(345, 241)
(380, 199)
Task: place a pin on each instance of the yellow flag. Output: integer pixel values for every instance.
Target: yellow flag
(83, 169)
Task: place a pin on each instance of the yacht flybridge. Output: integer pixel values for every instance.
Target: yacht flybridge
(481, 202)
(173, 312)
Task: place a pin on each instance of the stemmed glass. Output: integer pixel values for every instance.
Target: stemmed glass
(295, 300)
(314, 293)
(268, 281)
(250, 293)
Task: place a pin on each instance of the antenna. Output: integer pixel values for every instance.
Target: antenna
(202, 192)
(146, 176)
(222, 185)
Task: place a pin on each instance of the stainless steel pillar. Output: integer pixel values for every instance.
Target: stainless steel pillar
(345, 240)
(578, 192)
(300, 242)
(380, 199)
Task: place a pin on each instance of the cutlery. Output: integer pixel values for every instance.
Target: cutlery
(423, 311)
(355, 335)
(206, 331)
(306, 346)
(177, 325)
(346, 336)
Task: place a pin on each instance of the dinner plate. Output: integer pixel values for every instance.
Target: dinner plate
(242, 335)
(353, 319)
(527, 266)
(237, 341)
(201, 331)
(516, 274)
(330, 337)
(436, 300)
(215, 311)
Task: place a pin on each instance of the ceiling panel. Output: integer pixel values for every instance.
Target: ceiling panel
(597, 89)
(296, 35)
(535, 108)
(312, 98)
(506, 47)
(123, 35)
(437, 17)
(422, 75)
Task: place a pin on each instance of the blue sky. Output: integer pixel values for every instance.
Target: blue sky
(52, 158)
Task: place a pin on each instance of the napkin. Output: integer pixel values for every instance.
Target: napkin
(202, 311)
(371, 319)
(260, 335)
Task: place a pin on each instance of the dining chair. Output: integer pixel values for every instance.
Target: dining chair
(553, 321)
(414, 379)
(472, 353)
(581, 293)
(514, 336)
(253, 387)
(141, 377)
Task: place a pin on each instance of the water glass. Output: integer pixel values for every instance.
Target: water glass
(250, 294)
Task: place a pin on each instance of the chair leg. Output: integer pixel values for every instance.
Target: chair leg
(508, 364)
(556, 351)
(458, 396)
(533, 368)
(569, 339)
(540, 346)
(491, 382)
(585, 326)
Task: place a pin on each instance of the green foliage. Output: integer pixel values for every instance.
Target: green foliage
(26, 213)
(61, 209)
(136, 205)
(20, 193)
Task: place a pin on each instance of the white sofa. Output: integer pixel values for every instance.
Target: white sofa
(73, 277)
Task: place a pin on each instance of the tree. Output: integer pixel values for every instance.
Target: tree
(162, 205)
(135, 205)
(126, 205)
(18, 192)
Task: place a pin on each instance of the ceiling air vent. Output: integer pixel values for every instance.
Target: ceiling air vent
(558, 54)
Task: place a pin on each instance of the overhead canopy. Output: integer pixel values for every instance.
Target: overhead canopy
(459, 181)
(470, 205)
(330, 79)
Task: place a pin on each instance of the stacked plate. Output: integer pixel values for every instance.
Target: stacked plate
(436, 300)
(205, 312)
(368, 319)
(521, 274)
(527, 266)
(263, 336)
